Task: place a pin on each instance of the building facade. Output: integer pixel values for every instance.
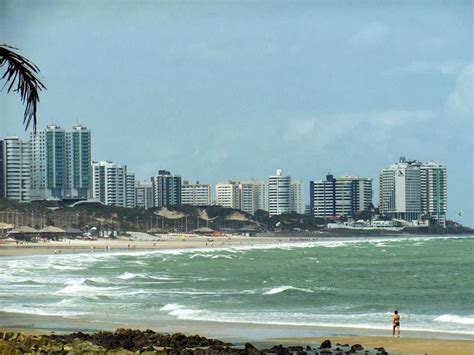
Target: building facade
(144, 197)
(166, 189)
(400, 191)
(130, 198)
(15, 169)
(196, 194)
(434, 191)
(296, 197)
(343, 196)
(109, 183)
(61, 163)
(228, 194)
(279, 193)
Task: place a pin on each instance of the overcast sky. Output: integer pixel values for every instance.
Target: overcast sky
(219, 90)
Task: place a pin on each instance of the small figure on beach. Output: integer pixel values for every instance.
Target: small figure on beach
(396, 323)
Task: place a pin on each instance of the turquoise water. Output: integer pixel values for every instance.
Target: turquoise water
(350, 283)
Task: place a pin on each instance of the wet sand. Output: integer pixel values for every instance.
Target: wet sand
(148, 243)
(402, 345)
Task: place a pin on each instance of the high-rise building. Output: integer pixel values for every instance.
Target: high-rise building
(166, 189)
(296, 197)
(144, 197)
(2, 170)
(109, 183)
(278, 193)
(400, 193)
(130, 191)
(343, 196)
(15, 169)
(248, 197)
(228, 194)
(61, 163)
(195, 194)
(434, 191)
(261, 192)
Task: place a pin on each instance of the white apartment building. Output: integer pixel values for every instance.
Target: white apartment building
(278, 193)
(15, 169)
(130, 191)
(248, 197)
(60, 163)
(109, 183)
(434, 191)
(195, 194)
(400, 193)
(261, 192)
(296, 197)
(144, 197)
(228, 194)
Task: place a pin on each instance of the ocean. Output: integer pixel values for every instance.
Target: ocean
(346, 284)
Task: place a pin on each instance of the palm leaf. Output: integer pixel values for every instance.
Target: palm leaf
(21, 77)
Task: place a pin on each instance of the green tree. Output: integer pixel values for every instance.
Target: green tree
(21, 76)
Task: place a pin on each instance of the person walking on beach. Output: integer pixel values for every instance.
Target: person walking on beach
(396, 323)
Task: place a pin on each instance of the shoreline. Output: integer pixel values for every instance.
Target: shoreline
(180, 242)
(392, 345)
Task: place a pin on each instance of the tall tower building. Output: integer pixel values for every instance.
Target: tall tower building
(261, 192)
(130, 197)
(2, 170)
(166, 189)
(109, 183)
(278, 193)
(61, 163)
(144, 197)
(228, 194)
(343, 196)
(434, 191)
(296, 197)
(15, 169)
(400, 191)
(195, 194)
(248, 197)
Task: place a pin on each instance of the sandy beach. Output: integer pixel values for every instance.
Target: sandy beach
(402, 345)
(141, 242)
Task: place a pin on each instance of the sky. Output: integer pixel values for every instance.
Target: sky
(218, 90)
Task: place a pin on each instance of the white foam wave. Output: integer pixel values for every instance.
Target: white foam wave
(78, 288)
(281, 289)
(129, 275)
(450, 318)
(179, 311)
(42, 312)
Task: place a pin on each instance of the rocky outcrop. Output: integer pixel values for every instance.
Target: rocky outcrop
(130, 341)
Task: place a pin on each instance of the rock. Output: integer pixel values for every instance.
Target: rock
(381, 351)
(356, 347)
(326, 344)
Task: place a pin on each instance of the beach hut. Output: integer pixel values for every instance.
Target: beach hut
(73, 232)
(204, 231)
(23, 233)
(248, 231)
(52, 232)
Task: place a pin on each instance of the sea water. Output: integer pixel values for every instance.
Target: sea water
(354, 283)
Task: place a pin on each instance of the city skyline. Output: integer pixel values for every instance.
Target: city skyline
(310, 88)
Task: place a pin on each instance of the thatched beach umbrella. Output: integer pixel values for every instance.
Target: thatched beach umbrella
(52, 232)
(23, 233)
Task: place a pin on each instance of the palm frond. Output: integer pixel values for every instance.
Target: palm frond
(21, 76)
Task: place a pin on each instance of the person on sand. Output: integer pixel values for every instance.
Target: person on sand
(396, 323)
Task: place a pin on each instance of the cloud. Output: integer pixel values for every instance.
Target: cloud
(444, 68)
(326, 129)
(461, 100)
(370, 36)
